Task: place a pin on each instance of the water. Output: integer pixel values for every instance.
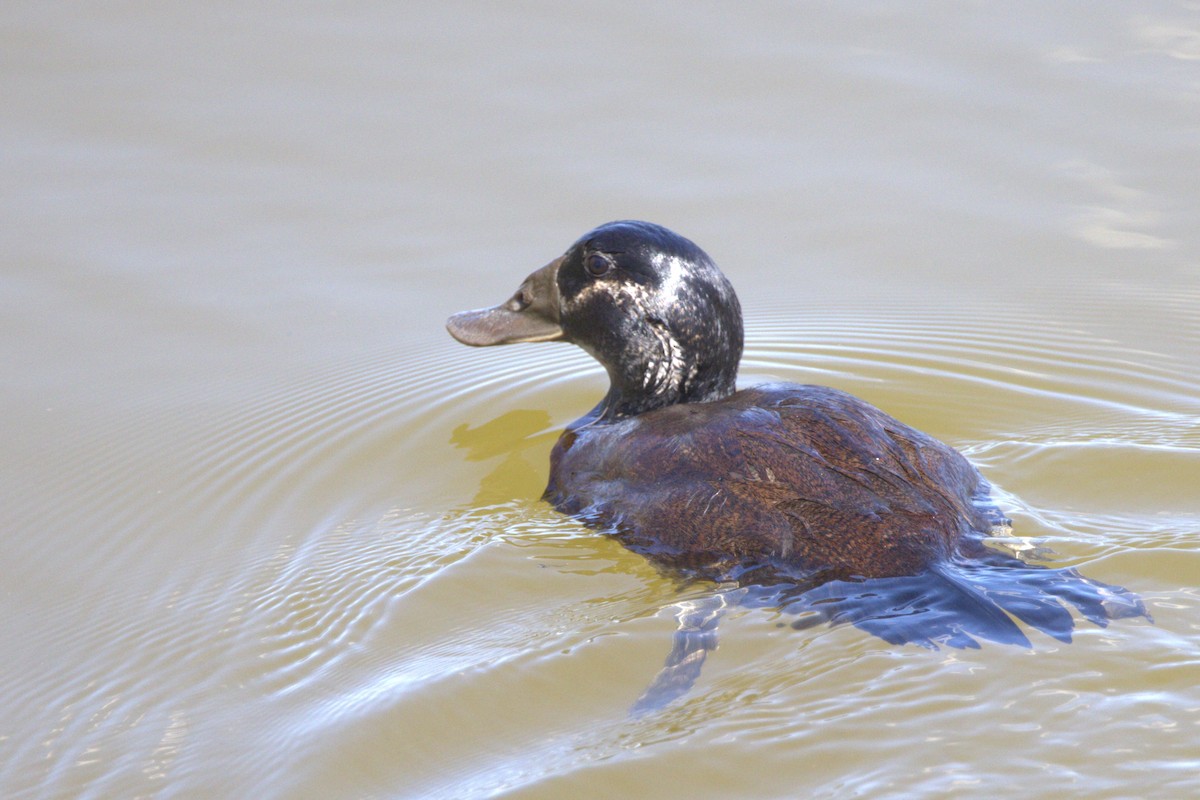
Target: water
(269, 531)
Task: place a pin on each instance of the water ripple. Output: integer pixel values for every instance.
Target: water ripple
(359, 585)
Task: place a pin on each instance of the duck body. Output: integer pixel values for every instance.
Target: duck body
(803, 480)
(857, 516)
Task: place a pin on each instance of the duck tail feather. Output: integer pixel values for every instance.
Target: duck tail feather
(932, 609)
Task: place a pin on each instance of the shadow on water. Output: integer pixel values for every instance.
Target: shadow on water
(955, 603)
(517, 440)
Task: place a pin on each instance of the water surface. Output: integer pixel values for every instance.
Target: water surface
(268, 531)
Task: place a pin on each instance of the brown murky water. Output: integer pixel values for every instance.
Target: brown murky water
(267, 531)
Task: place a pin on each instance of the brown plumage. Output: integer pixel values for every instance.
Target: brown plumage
(805, 478)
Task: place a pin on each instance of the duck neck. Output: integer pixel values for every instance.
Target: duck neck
(658, 364)
(661, 385)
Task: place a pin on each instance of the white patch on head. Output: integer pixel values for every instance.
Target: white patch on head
(586, 292)
(674, 268)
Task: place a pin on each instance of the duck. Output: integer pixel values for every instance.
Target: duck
(802, 486)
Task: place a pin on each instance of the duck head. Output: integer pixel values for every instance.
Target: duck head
(645, 302)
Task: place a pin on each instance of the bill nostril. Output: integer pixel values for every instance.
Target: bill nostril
(520, 301)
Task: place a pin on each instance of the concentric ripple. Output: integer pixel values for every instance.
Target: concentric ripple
(356, 497)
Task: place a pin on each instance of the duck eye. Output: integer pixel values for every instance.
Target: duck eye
(597, 265)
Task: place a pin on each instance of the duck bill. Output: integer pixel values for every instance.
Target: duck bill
(530, 315)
